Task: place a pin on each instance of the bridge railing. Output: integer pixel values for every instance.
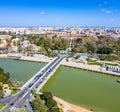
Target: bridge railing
(54, 67)
(30, 80)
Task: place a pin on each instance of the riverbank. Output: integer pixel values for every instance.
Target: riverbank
(39, 58)
(36, 58)
(46, 59)
(3, 55)
(68, 107)
(93, 68)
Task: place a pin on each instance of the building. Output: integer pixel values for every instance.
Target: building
(25, 44)
(6, 90)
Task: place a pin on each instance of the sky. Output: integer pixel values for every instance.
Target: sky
(77, 13)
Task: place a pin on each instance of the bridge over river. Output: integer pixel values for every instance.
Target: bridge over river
(22, 98)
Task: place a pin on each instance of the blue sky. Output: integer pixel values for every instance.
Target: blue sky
(59, 13)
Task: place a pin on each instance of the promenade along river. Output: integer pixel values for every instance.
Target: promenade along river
(88, 89)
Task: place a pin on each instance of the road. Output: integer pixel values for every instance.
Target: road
(21, 99)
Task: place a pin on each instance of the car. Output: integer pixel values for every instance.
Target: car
(12, 104)
(30, 103)
(50, 70)
(31, 94)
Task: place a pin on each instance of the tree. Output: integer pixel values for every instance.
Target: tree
(1, 92)
(13, 37)
(30, 48)
(38, 104)
(116, 48)
(4, 77)
(19, 48)
(90, 47)
(53, 110)
(0, 41)
(8, 43)
(104, 50)
(47, 96)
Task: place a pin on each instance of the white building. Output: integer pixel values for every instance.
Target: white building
(25, 44)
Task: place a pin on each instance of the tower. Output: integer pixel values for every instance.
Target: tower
(69, 50)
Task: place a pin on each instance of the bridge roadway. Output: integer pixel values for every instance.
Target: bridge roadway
(36, 82)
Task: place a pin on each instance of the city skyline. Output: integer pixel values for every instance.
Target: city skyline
(61, 13)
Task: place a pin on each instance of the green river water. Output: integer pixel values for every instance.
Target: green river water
(20, 70)
(87, 89)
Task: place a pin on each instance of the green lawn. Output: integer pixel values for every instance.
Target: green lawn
(1, 106)
(92, 62)
(14, 92)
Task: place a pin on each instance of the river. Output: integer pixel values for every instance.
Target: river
(88, 89)
(20, 70)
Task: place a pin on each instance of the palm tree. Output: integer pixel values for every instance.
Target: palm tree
(8, 43)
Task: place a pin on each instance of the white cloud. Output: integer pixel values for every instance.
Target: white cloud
(106, 11)
(105, 2)
(103, 10)
(42, 13)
